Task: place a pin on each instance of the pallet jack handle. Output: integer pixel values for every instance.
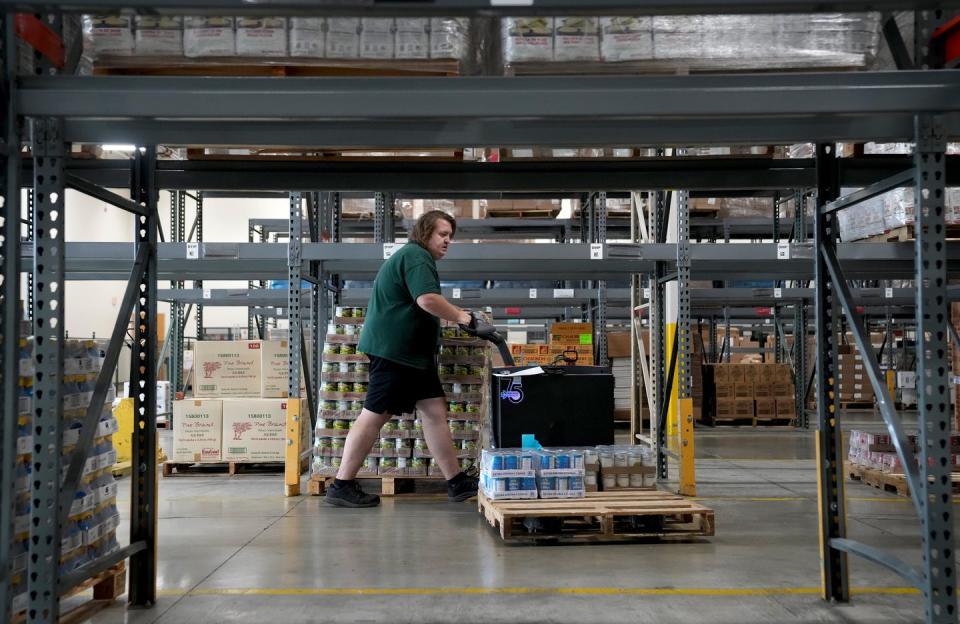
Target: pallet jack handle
(481, 329)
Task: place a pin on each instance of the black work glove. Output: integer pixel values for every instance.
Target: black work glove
(479, 328)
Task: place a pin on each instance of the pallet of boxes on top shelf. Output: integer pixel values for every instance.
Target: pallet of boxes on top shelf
(237, 416)
(91, 528)
(211, 45)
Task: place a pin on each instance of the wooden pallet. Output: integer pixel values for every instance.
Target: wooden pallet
(107, 587)
(246, 66)
(907, 233)
(175, 469)
(887, 481)
(600, 517)
(389, 486)
(856, 405)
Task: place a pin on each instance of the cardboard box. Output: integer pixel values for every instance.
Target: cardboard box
(275, 369)
(786, 408)
(763, 390)
(738, 373)
(766, 408)
(743, 390)
(229, 368)
(783, 391)
(726, 408)
(721, 373)
(197, 430)
(254, 430)
(724, 391)
(618, 344)
(743, 408)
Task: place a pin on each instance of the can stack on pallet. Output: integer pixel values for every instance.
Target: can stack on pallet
(401, 450)
(91, 528)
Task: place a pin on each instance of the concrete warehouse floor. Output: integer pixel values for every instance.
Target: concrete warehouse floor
(235, 550)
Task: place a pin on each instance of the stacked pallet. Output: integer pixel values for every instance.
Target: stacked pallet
(750, 394)
(275, 45)
(238, 412)
(90, 531)
(401, 452)
(872, 459)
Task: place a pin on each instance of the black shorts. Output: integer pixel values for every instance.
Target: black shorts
(395, 388)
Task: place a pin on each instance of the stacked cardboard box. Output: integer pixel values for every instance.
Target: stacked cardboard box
(239, 409)
(569, 338)
(877, 452)
(855, 386)
(762, 392)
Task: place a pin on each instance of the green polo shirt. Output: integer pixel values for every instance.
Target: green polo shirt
(396, 328)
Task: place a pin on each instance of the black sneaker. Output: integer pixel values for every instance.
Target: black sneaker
(350, 495)
(466, 488)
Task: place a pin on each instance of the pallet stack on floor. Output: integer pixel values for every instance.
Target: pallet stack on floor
(238, 414)
(91, 528)
(750, 394)
(872, 459)
(401, 453)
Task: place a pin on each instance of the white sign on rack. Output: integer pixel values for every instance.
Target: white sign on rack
(533, 293)
(207, 294)
(596, 251)
(193, 251)
(646, 294)
(783, 251)
(778, 293)
(389, 249)
(563, 293)
(456, 293)
(888, 293)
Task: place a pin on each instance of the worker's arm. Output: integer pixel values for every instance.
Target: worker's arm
(438, 306)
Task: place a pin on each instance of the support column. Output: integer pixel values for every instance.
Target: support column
(291, 475)
(48, 283)
(658, 335)
(933, 387)
(10, 314)
(143, 518)
(600, 327)
(688, 480)
(833, 520)
(198, 283)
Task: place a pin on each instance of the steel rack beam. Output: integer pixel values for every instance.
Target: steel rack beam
(243, 261)
(539, 110)
(417, 8)
(418, 180)
(903, 178)
(98, 192)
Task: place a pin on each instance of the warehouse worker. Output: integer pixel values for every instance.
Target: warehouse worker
(400, 336)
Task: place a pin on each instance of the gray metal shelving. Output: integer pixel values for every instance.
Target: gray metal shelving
(771, 108)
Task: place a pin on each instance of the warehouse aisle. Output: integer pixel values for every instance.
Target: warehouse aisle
(233, 549)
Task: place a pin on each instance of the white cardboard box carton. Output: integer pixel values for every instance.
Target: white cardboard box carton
(254, 430)
(227, 368)
(275, 369)
(197, 430)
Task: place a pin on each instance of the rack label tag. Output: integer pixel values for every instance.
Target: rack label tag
(596, 251)
(563, 293)
(533, 293)
(389, 249)
(783, 251)
(193, 251)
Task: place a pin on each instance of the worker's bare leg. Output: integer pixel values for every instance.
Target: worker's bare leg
(433, 413)
(363, 434)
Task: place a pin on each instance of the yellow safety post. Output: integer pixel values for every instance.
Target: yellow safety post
(688, 476)
(291, 468)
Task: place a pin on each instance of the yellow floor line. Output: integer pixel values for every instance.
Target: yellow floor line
(576, 591)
